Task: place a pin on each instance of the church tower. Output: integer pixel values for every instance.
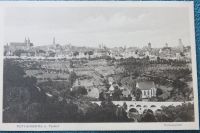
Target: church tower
(149, 46)
(180, 45)
(28, 42)
(25, 41)
(166, 45)
(54, 41)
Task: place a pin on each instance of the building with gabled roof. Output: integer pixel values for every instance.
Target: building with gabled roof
(14, 46)
(148, 89)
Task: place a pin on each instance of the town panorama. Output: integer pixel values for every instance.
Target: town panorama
(67, 83)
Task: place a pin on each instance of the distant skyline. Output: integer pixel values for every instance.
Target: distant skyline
(91, 26)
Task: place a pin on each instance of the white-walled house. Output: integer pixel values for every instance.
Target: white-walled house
(148, 89)
(111, 88)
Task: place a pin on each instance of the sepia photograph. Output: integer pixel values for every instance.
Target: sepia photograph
(99, 63)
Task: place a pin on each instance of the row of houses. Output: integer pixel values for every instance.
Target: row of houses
(26, 49)
(147, 88)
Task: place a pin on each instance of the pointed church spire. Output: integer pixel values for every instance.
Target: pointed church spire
(54, 41)
(28, 39)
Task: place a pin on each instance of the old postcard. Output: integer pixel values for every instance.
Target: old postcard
(98, 66)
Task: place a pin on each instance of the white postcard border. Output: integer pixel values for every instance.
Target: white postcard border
(102, 126)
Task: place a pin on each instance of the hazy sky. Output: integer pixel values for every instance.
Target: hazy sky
(112, 26)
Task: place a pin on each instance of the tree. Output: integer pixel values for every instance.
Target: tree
(147, 58)
(82, 90)
(160, 116)
(158, 59)
(13, 74)
(101, 96)
(182, 54)
(72, 77)
(106, 84)
(85, 53)
(138, 95)
(19, 94)
(90, 53)
(117, 93)
(75, 53)
(71, 64)
(148, 116)
(159, 92)
(78, 90)
(121, 115)
(184, 112)
(108, 111)
(133, 90)
(125, 106)
(179, 88)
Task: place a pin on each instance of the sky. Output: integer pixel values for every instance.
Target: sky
(90, 26)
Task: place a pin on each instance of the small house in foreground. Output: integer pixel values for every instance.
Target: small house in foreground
(148, 89)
